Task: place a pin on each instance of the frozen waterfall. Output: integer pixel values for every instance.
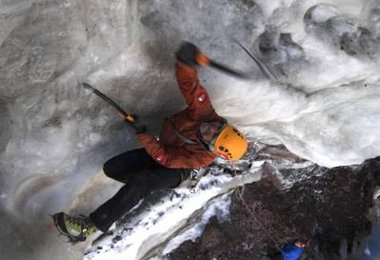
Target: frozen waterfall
(55, 136)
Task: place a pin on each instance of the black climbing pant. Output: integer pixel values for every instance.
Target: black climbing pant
(141, 175)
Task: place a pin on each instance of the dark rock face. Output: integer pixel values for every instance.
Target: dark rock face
(330, 208)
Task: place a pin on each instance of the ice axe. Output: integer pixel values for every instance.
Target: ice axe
(203, 60)
(129, 118)
(190, 55)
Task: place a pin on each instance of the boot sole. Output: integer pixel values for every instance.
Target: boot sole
(59, 223)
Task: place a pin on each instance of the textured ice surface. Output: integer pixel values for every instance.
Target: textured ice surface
(145, 233)
(55, 136)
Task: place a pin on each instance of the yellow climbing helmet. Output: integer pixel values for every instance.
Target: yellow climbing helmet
(230, 143)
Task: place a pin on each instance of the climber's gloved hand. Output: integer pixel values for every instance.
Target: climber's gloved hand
(132, 120)
(139, 129)
(190, 55)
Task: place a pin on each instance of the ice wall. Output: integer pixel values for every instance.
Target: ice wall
(324, 106)
(55, 136)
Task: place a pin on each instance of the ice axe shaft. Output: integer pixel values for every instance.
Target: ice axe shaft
(203, 60)
(226, 69)
(128, 117)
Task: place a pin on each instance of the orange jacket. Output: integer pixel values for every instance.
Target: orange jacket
(172, 151)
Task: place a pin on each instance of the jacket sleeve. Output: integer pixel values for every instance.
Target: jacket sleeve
(194, 93)
(174, 156)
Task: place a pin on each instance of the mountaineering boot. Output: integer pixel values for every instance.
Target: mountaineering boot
(75, 228)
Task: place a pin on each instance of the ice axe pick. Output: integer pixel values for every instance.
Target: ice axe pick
(127, 117)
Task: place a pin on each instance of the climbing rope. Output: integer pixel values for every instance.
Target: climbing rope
(240, 193)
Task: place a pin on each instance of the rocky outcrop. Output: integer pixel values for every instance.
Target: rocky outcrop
(330, 208)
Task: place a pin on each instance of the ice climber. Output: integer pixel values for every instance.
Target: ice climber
(190, 139)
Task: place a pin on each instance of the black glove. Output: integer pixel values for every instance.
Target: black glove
(139, 129)
(187, 54)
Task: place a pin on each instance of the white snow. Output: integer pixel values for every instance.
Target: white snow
(55, 136)
(142, 233)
